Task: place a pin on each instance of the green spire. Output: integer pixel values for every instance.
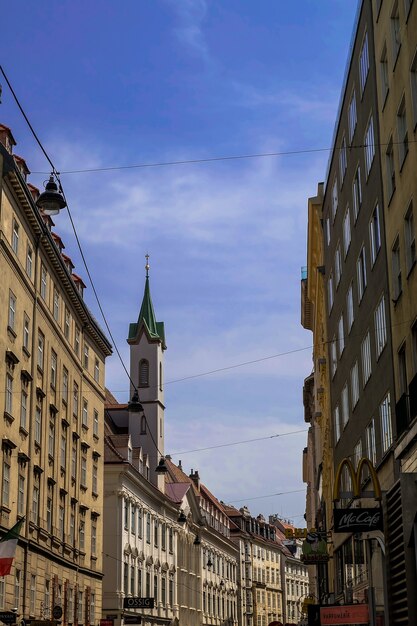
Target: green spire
(147, 315)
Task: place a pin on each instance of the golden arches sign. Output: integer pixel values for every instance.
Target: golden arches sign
(356, 477)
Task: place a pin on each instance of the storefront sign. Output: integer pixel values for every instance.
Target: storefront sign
(347, 614)
(356, 480)
(138, 603)
(357, 520)
(314, 549)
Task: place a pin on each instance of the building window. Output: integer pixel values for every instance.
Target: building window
(396, 270)
(383, 67)
(402, 132)
(86, 356)
(361, 273)
(38, 425)
(369, 146)
(345, 405)
(366, 359)
(164, 537)
(93, 536)
(352, 116)
(94, 487)
(77, 341)
(97, 370)
(80, 601)
(380, 327)
(156, 533)
(85, 413)
(65, 385)
(29, 261)
(63, 450)
(346, 231)
(370, 441)
(327, 231)
(12, 311)
(386, 425)
(83, 471)
(41, 346)
(349, 307)
(342, 161)
(148, 527)
(338, 265)
(341, 335)
(6, 484)
(17, 584)
(330, 292)
(357, 193)
(67, 324)
(335, 200)
(95, 423)
(56, 305)
(375, 234)
(9, 395)
(15, 237)
(35, 501)
(61, 521)
(337, 423)
(354, 384)
(26, 332)
(410, 239)
(82, 535)
(53, 368)
(44, 280)
(357, 453)
(32, 601)
(23, 410)
(389, 161)
(51, 440)
(140, 523)
(72, 525)
(402, 369)
(171, 540)
(143, 373)
(395, 31)
(92, 607)
(364, 63)
(333, 356)
(75, 397)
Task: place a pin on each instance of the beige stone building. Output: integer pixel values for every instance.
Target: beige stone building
(261, 571)
(318, 470)
(52, 372)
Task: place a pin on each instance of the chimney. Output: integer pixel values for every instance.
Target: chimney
(180, 465)
(195, 478)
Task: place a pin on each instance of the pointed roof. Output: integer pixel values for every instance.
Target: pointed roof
(147, 317)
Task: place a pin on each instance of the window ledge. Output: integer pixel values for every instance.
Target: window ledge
(11, 331)
(8, 417)
(25, 351)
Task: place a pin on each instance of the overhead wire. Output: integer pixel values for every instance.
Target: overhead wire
(233, 157)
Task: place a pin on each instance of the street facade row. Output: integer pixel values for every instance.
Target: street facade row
(114, 531)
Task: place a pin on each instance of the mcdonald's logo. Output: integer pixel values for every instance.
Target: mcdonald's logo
(356, 479)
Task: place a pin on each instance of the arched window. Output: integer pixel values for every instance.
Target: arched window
(143, 425)
(160, 377)
(143, 373)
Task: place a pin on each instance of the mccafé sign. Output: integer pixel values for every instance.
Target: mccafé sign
(357, 520)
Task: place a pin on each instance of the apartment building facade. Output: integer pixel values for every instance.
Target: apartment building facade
(52, 431)
(358, 309)
(395, 27)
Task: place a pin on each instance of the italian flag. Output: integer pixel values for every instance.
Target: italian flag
(8, 548)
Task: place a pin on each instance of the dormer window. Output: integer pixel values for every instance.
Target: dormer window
(143, 373)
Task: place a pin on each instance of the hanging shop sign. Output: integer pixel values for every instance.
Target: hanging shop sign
(347, 614)
(357, 520)
(314, 549)
(356, 479)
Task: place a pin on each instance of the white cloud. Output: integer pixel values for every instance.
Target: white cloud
(316, 106)
(191, 14)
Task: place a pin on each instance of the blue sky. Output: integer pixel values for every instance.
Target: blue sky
(144, 81)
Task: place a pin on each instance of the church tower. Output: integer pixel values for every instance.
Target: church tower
(147, 346)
